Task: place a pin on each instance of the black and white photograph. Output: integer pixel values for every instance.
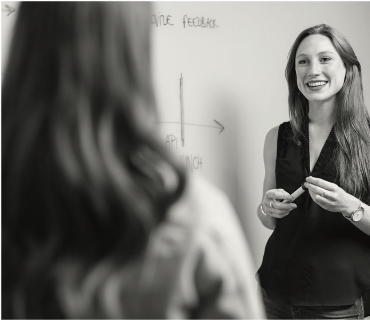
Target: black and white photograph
(185, 160)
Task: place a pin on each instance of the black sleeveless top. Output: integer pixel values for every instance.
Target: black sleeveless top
(314, 257)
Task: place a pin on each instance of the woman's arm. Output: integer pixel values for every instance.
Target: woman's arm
(269, 182)
(270, 192)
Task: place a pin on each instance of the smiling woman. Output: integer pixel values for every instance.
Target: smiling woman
(319, 68)
(317, 260)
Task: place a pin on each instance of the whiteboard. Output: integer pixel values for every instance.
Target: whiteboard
(9, 13)
(194, 80)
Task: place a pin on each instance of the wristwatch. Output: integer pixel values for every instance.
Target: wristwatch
(357, 214)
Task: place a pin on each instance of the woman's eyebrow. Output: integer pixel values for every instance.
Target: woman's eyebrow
(305, 55)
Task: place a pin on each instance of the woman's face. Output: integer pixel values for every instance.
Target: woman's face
(319, 68)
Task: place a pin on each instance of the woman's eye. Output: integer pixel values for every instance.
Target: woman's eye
(326, 59)
(301, 61)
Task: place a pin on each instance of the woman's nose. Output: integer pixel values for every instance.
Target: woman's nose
(315, 69)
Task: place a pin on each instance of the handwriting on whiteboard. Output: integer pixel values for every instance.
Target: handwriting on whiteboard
(190, 162)
(163, 20)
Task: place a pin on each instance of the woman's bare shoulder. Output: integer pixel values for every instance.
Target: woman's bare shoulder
(271, 143)
(271, 136)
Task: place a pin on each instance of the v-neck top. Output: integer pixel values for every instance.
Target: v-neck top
(314, 257)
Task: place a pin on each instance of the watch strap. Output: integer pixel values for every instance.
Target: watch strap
(360, 208)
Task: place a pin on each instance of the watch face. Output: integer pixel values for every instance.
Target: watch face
(357, 215)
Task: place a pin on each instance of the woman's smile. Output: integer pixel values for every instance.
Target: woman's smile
(316, 85)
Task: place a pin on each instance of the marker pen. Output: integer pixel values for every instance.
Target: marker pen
(297, 193)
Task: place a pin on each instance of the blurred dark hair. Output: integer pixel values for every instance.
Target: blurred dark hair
(84, 178)
(352, 128)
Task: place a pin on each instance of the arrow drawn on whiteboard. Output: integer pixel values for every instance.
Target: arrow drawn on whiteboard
(10, 9)
(222, 127)
(219, 125)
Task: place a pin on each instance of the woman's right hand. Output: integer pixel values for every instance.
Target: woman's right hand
(273, 205)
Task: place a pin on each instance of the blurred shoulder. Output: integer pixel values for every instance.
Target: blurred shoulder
(199, 253)
(202, 204)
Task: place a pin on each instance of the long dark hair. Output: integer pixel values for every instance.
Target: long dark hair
(352, 127)
(84, 177)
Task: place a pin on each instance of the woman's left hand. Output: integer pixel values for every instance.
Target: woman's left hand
(330, 196)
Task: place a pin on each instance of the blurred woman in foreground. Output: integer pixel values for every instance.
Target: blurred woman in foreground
(98, 220)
